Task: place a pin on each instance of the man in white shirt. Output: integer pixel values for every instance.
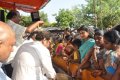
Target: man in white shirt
(14, 20)
(20, 31)
(33, 60)
(7, 40)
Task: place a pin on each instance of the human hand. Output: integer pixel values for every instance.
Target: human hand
(78, 74)
(65, 58)
(40, 22)
(96, 73)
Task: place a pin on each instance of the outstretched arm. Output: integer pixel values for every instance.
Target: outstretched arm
(32, 27)
(86, 58)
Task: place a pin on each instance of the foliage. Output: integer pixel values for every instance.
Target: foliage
(107, 12)
(111, 19)
(43, 16)
(54, 24)
(26, 20)
(99, 13)
(64, 18)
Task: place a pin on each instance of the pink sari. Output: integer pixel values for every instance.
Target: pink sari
(59, 49)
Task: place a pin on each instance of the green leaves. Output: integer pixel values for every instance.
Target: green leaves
(64, 18)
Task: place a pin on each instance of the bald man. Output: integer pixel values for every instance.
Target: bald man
(7, 40)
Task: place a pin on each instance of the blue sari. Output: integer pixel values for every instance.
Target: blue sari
(85, 47)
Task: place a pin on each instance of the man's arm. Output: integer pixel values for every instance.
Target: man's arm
(32, 27)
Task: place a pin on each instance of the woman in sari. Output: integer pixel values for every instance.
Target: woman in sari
(111, 59)
(96, 57)
(86, 48)
(87, 41)
(112, 43)
(111, 70)
(59, 47)
(117, 74)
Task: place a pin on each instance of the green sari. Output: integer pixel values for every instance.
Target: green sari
(85, 47)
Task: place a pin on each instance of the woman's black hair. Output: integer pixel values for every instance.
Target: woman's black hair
(113, 36)
(68, 37)
(60, 40)
(77, 42)
(87, 29)
(99, 33)
(83, 28)
(117, 28)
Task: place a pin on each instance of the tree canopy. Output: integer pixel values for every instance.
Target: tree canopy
(99, 13)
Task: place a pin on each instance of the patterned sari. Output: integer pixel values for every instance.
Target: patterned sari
(111, 62)
(111, 65)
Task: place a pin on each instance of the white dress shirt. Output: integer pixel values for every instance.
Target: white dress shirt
(3, 76)
(33, 62)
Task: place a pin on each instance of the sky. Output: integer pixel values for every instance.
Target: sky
(54, 5)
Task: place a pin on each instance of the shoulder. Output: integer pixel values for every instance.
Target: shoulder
(14, 25)
(27, 55)
(91, 40)
(40, 47)
(25, 49)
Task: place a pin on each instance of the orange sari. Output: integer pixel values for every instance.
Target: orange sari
(86, 75)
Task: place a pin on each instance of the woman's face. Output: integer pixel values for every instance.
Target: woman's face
(99, 40)
(107, 44)
(84, 34)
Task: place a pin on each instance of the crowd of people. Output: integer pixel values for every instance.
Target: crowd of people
(99, 53)
(26, 53)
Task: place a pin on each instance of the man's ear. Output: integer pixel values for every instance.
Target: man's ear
(0, 43)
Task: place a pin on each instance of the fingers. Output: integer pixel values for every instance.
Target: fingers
(41, 22)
